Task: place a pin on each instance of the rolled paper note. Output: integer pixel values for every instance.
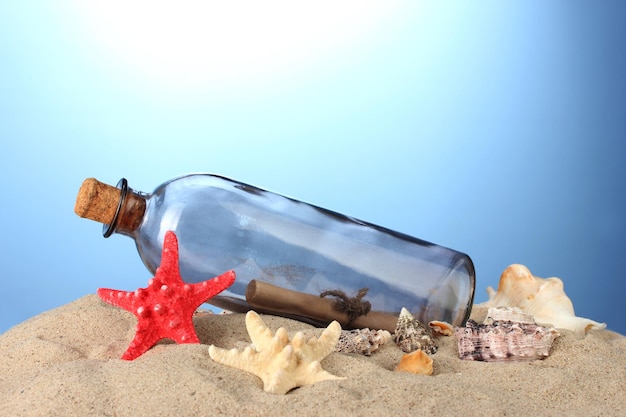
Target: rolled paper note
(273, 299)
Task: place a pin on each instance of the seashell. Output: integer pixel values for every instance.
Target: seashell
(416, 362)
(411, 335)
(441, 328)
(201, 312)
(542, 298)
(362, 341)
(495, 314)
(507, 334)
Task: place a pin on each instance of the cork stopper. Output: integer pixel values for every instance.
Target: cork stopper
(97, 201)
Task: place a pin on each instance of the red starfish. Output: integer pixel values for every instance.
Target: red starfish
(165, 309)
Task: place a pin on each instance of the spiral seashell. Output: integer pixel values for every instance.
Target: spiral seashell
(362, 341)
(507, 334)
(411, 335)
(542, 298)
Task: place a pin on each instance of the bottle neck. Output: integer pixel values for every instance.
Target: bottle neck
(129, 214)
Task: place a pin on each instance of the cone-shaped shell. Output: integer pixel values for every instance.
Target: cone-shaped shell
(411, 335)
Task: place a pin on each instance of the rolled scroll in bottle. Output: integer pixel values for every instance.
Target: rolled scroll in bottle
(281, 301)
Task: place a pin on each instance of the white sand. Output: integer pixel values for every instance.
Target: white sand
(65, 363)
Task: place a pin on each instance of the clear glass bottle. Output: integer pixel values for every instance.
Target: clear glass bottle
(298, 248)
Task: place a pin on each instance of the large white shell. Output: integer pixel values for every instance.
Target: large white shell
(542, 298)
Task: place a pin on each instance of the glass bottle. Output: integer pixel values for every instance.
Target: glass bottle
(291, 258)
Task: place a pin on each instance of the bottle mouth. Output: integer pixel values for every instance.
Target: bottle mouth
(454, 296)
(108, 229)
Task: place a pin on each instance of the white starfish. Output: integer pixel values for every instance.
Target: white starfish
(281, 364)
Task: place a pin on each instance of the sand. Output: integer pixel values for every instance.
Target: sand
(65, 363)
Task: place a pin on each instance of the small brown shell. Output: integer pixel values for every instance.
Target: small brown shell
(442, 328)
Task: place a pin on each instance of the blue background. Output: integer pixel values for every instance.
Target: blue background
(494, 128)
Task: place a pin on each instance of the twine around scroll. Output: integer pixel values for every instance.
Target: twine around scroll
(352, 306)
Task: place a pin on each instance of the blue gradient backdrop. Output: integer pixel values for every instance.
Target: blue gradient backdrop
(494, 128)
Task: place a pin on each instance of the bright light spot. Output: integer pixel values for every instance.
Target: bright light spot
(202, 43)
